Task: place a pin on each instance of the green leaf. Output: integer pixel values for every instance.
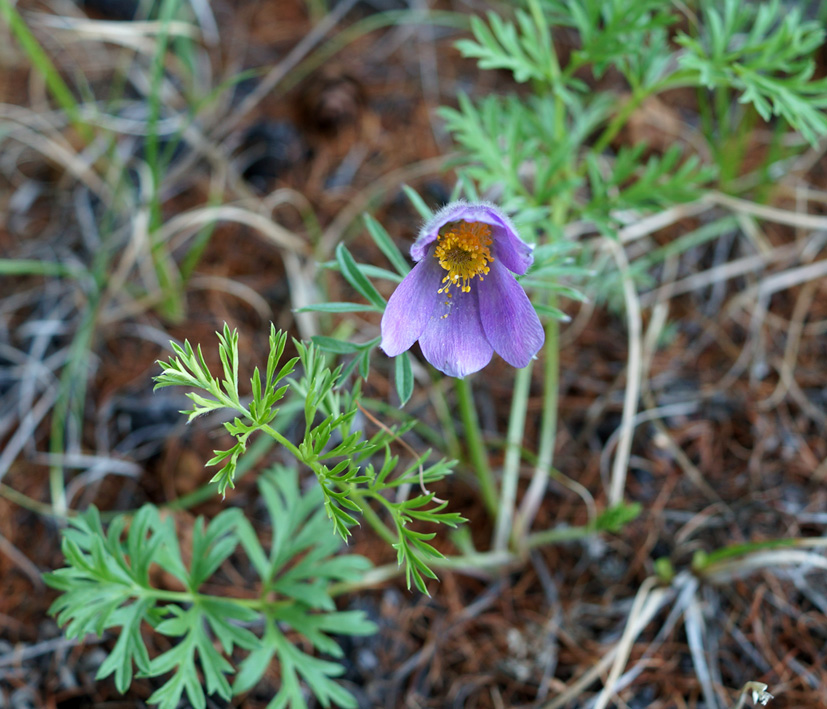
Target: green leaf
(25, 267)
(403, 375)
(368, 270)
(211, 546)
(254, 666)
(418, 203)
(765, 52)
(105, 586)
(499, 45)
(335, 346)
(338, 308)
(383, 240)
(614, 519)
(129, 647)
(356, 278)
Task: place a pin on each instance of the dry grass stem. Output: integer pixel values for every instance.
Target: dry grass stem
(633, 376)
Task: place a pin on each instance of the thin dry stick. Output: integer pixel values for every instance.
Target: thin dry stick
(646, 604)
(792, 277)
(55, 149)
(695, 632)
(302, 293)
(771, 214)
(658, 320)
(22, 562)
(648, 601)
(360, 201)
(114, 32)
(405, 445)
(679, 408)
(236, 288)
(794, 332)
(202, 216)
(724, 272)
(633, 373)
(643, 227)
(278, 72)
(26, 430)
(139, 243)
(759, 295)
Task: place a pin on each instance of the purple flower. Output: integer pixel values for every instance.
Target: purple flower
(461, 300)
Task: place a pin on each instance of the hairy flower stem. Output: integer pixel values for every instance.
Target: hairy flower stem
(511, 467)
(548, 434)
(476, 446)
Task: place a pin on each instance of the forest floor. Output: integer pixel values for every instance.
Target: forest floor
(734, 454)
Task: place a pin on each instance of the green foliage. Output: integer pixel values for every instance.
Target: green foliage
(615, 518)
(412, 547)
(523, 48)
(633, 183)
(629, 36)
(403, 375)
(188, 368)
(358, 275)
(555, 263)
(333, 446)
(547, 150)
(383, 240)
(357, 279)
(512, 145)
(763, 51)
(107, 584)
(44, 66)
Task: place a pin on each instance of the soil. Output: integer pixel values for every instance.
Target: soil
(342, 139)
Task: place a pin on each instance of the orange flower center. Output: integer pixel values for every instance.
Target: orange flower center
(462, 250)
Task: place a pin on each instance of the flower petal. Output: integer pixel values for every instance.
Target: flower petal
(456, 344)
(508, 318)
(513, 253)
(510, 249)
(409, 308)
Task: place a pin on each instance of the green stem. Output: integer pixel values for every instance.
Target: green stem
(28, 503)
(297, 454)
(70, 402)
(169, 279)
(617, 123)
(476, 446)
(432, 435)
(548, 433)
(374, 520)
(187, 597)
(558, 535)
(44, 65)
(511, 466)
(675, 80)
(449, 438)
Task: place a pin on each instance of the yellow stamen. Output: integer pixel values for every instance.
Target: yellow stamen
(462, 250)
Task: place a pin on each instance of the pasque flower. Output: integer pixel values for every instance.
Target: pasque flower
(461, 300)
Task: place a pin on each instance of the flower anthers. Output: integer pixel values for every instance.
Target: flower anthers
(461, 300)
